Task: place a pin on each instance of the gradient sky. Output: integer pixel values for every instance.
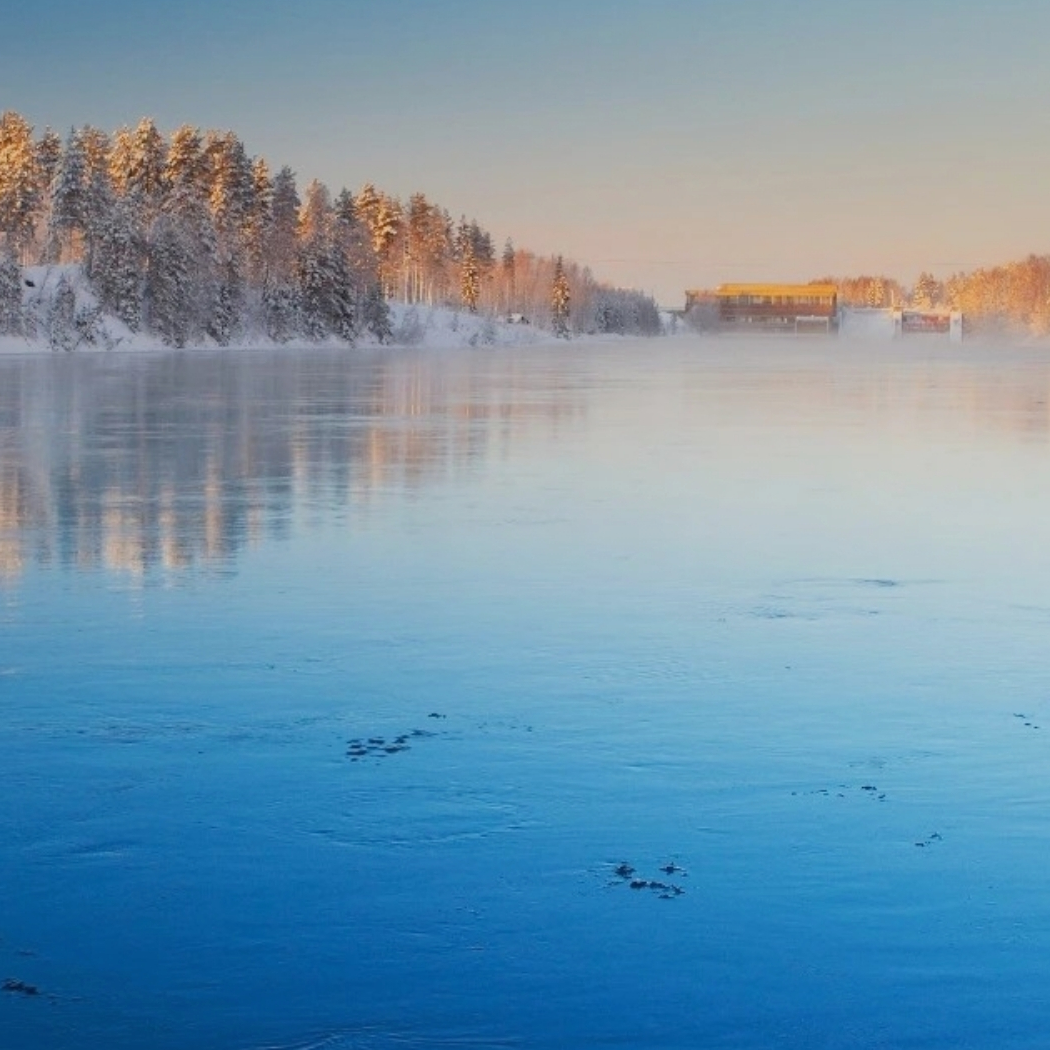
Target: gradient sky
(667, 143)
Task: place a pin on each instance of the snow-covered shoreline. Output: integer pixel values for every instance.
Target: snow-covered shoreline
(412, 325)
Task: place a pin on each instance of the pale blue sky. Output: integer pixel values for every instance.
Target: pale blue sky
(666, 143)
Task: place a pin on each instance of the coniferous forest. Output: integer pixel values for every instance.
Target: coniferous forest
(191, 239)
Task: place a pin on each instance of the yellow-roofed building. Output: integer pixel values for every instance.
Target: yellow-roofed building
(773, 307)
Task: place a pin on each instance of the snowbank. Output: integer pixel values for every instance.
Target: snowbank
(440, 327)
(92, 330)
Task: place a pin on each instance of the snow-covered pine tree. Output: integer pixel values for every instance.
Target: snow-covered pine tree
(607, 316)
(19, 182)
(214, 286)
(352, 239)
(120, 160)
(116, 259)
(231, 197)
(316, 215)
(280, 298)
(258, 223)
(99, 201)
(481, 243)
(366, 206)
(343, 302)
(168, 291)
(11, 314)
(312, 264)
(61, 317)
(184, 165)
(484, 255)
(326, 296)
(375, 313)
(560, 300)
(282, 242)
(383, 218)
(98, 189)
(231, 189)
(96, 146)
(460, 239)
(226, 314)
(228, 296)
(314, 282)
(147, 162)
(386, 237)
(344, 212)
(281, 312)
(648, 315)
(68, 217)
(48, 152)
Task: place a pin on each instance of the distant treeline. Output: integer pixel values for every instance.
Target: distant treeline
(1014, 297)
(190, 238)
(874, 292)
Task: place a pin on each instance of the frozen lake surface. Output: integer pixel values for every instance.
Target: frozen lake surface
(663, 694)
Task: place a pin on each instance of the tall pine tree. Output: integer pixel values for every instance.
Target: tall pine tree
(19, 182)
(67, 222)
(469, 278)
(560, 300)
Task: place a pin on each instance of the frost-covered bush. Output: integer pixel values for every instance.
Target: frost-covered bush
(703, 317)
(411, 330)
(12, 318)
(375, 314)
(281, 313)
(485, 335)
(62, 317)
(90, 325)
(618, 311)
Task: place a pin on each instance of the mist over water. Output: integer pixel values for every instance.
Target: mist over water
(673, 693)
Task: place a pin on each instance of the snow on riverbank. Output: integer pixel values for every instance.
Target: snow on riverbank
(418, 325)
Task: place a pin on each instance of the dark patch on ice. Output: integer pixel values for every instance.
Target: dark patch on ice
(867, 790)
(509, 724)
(880, 582)
(1029, 724)
(628, 875)
(381, 746)
(16, 987)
